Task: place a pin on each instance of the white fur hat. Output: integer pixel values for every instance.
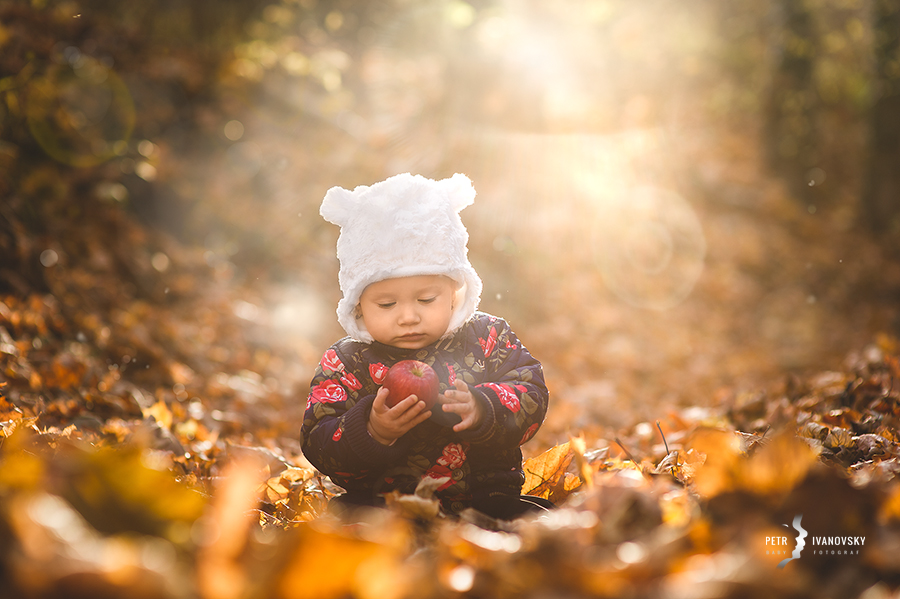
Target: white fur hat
(404, 226)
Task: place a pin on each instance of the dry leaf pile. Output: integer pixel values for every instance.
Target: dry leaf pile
(128, 503)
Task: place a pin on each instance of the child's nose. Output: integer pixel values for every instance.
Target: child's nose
(409, 315)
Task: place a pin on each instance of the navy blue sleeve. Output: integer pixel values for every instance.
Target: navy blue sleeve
(334, 436)
(513, 392)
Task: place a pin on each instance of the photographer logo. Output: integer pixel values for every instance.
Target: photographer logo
(820, 545)
(801, 543)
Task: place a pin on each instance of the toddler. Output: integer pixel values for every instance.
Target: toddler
(409, 292)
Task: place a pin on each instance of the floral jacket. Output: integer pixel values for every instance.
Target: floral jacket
(484, 353)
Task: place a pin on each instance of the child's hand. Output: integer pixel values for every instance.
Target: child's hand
(386, 425)
(462, 402)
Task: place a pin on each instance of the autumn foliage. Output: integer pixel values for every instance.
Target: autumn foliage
(106, 491)
(166, 289)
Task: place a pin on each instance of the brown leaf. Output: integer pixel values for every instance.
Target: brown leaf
(814, 430)
(838, 437)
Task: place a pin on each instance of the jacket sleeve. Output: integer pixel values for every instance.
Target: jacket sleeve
(333, 436)
(513, 391)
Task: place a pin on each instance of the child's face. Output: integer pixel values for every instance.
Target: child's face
(408, 312)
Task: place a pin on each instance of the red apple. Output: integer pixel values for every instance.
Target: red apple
(411, 377)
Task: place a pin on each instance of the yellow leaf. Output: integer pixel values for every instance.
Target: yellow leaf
(275, 491)
(294, 475)
(571, 482)
(161, 413)
(677, 507)
(543, 472)
(579, 447)
(327, 566)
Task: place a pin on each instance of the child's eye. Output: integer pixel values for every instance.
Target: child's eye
(427, 300)
(387, 305)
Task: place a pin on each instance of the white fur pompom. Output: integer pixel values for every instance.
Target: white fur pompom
(460, 191)
(338, 205)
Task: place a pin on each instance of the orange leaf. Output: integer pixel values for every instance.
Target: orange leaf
(543, 472)
(776, 467)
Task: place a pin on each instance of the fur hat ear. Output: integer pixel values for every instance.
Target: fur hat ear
(338, 205)
(460, 191)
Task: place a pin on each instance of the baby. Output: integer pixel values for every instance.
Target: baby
(409, 292)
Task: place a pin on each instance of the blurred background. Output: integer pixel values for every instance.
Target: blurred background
(688, 210)
(678, 202)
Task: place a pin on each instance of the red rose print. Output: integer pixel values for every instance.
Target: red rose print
(330, 362)
(529, 433)
(440, 471)
(488, 345)
(378, 372)
(337, 434)
(454, 455)
(451, 376)
(327, 392)
(506, 395)
(351, 381)
(510, 345)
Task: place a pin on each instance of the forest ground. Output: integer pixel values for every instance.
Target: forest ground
(153, 371)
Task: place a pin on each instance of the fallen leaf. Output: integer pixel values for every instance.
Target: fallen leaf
(544, 472)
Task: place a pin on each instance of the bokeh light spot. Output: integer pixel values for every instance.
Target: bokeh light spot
(650, 247)
(146, 148)
(334, 21)
(160, 262)
(79, 111)
(461, 578)
(145, 171)
(815, 176)
(295, 63)
(110, 190)
(631, 553)
(459, 14)
(49, 258)
(234, 130)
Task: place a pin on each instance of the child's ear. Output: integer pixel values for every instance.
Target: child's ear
(459, 293)
(357, 312)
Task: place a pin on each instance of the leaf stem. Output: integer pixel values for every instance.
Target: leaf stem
(663, 437)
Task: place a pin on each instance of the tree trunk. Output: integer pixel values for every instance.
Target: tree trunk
(881, 194)
(791, 141)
